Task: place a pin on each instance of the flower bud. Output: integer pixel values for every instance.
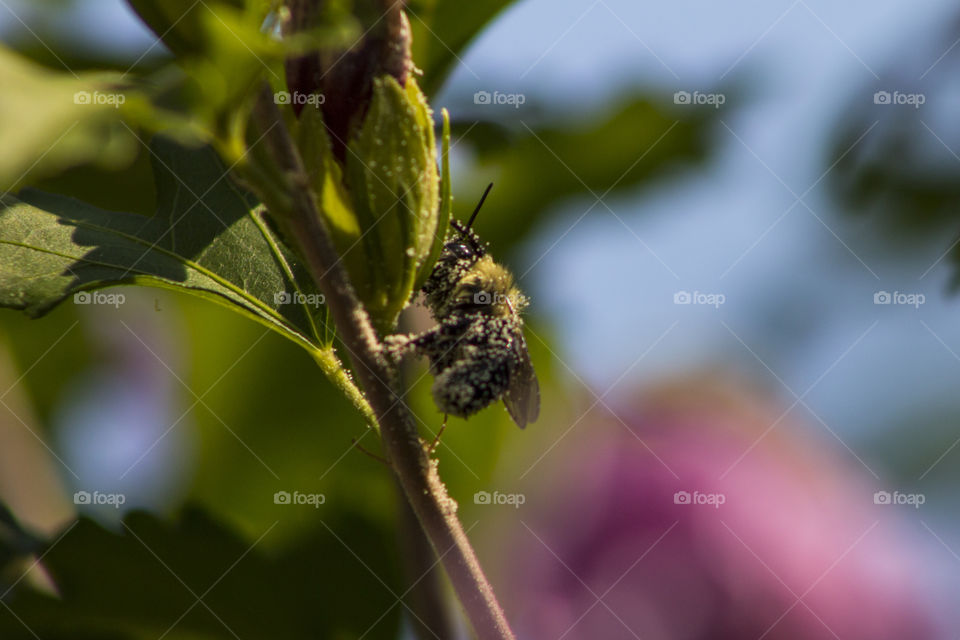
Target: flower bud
(381, 205)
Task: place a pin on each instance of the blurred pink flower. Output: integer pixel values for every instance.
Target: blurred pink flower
(683, 523)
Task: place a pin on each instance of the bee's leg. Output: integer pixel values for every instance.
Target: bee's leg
(370, 454)
(400, 345)
(397, 346)
(436, 439)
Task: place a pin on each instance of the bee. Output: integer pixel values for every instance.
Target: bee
(477, 351)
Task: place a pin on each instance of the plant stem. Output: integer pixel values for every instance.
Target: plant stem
(425, 597)
(428, 598)
(415, 471)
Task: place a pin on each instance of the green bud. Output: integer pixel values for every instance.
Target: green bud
(382, 205)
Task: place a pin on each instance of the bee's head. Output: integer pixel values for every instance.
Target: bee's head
(465, 245)
(465, 274)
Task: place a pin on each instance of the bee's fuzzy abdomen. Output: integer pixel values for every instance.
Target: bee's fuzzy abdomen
(468, 386)
(470, 358)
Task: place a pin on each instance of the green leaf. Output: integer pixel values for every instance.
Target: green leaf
(207, 238)
(52, 121)
(129, 188)
(442, 29)
(326, 178)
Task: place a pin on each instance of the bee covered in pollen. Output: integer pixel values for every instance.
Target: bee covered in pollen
(477, 351)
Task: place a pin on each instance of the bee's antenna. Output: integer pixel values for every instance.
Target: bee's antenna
(473, 216)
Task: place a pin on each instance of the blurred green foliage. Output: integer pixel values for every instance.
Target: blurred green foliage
(193, 578)
(67, 126)
(904, 175)
(537, 165)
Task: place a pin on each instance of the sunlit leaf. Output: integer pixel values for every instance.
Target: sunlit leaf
(446, 205)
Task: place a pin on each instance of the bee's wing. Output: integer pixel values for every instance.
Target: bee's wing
(522, 397)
